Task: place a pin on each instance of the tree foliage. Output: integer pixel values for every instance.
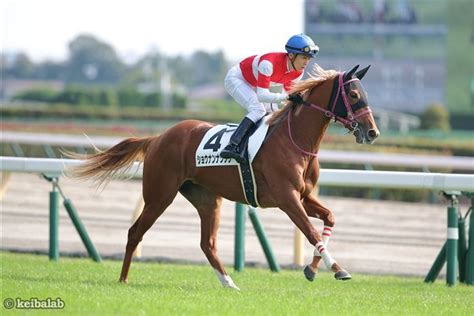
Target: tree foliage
(436, 116)
(20, 66)
(92, 61)
(94, 74)
(199, 69)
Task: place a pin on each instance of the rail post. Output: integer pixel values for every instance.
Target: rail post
(449, 252)
(462, 249)
(4, 184)
(437, 265)
(452, 242)
(470, 251)
(136, 214)
(239, 246)
(81, 230)
(53, 221)
(298, 248)
(267, 249)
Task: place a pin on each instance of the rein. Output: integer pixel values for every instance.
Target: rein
(349, 122)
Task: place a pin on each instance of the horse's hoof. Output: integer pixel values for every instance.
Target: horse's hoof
(309, 274)
(342, 275)
(232, 286)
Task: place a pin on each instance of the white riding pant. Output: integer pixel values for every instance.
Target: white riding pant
(246, 95)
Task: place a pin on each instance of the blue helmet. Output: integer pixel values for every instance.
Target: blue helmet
(302, 44)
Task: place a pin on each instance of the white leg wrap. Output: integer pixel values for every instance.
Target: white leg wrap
(226, 280)
(327, 258)
(327, 232)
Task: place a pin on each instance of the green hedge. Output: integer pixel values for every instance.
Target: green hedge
(67, 111)
(100, 96)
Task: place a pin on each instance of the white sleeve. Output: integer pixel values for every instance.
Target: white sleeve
(265, 96)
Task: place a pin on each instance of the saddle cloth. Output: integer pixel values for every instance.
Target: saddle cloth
(208, 151)
(208, 154)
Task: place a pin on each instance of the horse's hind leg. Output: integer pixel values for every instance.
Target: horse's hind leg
(208, 205)
(155, 205)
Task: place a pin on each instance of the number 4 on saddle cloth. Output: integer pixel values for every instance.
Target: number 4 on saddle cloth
(208, 154)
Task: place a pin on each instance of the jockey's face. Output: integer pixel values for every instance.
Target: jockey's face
(300, 61)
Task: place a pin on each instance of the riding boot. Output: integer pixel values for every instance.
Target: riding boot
(235, 148)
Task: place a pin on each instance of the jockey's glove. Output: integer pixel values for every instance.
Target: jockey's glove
(296, 98)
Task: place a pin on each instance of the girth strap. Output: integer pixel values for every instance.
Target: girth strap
(247, 177)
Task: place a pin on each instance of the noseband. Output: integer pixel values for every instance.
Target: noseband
(350, 121)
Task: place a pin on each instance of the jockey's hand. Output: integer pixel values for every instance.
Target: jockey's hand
(296, 98)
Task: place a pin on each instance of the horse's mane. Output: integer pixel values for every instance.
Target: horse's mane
(320, 76)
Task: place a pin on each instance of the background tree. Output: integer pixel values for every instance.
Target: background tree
(436, 116)
(92, 61)
(49, 70)
(20, 67)
(199, 69)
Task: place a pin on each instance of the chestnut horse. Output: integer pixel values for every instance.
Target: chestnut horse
(286, 168)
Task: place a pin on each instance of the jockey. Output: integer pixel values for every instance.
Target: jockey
(249, 84)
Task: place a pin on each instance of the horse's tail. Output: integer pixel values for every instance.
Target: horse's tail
(117, 160)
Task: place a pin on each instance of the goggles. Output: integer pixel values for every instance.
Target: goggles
(310, 49)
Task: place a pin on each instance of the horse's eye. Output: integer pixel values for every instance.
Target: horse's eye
(353, 94)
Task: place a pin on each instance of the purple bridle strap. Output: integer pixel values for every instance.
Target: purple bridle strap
(291, 138)
(350, 122)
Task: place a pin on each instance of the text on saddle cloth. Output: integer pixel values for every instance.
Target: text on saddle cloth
(208, 151)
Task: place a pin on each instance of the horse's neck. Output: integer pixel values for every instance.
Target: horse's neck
(308, 128)
(312, 122)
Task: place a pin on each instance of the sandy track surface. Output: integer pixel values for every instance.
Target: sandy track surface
(370, 236)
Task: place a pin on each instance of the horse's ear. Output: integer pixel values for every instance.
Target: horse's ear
(361, 73)
(348, 75)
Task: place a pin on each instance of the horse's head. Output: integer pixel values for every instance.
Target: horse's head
(354, 107)
(348, 104)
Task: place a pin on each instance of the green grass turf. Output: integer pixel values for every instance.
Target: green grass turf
(89, 288)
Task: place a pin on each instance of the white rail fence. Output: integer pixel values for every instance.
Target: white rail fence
(329, 156)
(329, 177)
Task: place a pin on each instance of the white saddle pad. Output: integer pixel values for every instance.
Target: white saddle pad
(208, 151)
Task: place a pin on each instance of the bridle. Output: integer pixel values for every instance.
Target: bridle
(349, 121)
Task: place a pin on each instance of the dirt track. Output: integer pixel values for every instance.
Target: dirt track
(369, 237)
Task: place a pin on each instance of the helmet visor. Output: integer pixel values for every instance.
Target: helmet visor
(311, 50)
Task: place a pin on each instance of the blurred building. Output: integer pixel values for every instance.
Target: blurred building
(407, 53)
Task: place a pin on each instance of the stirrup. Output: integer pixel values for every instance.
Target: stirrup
(229, 151)
(234, 153)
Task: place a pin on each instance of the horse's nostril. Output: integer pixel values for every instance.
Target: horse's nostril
(372, 134)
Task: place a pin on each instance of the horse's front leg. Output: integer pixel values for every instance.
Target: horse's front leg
(294, 208)
(315, 209)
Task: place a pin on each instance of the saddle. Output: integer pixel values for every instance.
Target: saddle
(208, 153)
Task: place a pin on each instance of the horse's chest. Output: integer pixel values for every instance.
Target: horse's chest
(311, 178)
